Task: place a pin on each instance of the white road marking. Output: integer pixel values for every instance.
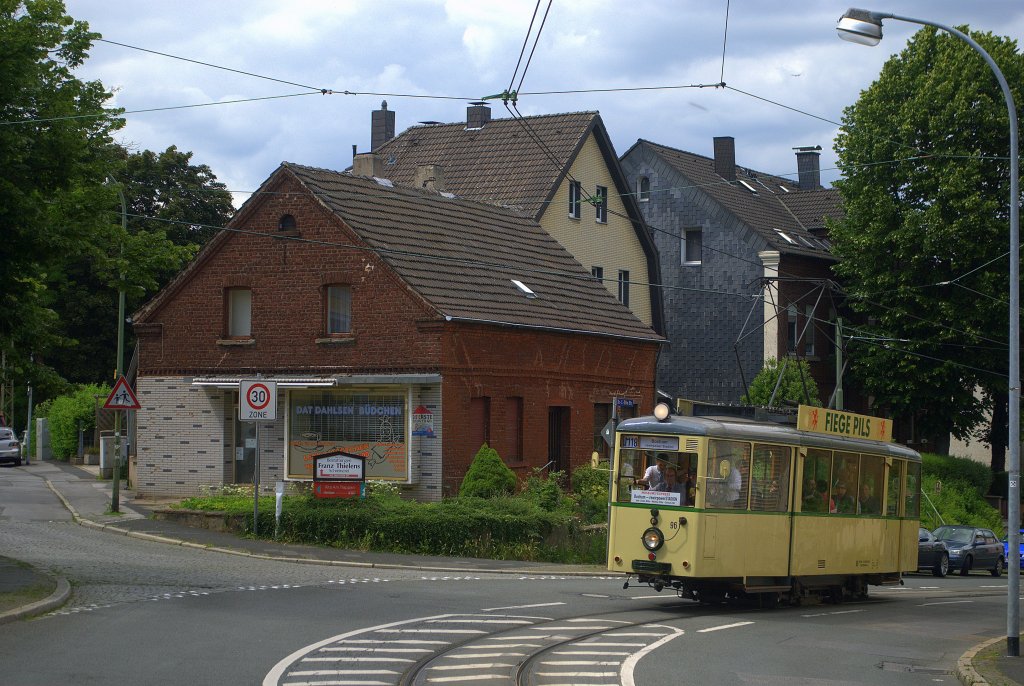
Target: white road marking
(479, 621)
(629, 664)
(337, 672)
(590, 652)
(476, 656)
(576, 674)
(594, 595)
(361, 649)
(829, 614)
(401, 642)
(648, 597)
(521, 607)
(468, 677)
(430, 631)
(356, 659)
(946, 602)
(598, 644)
(606, 621)
(1001, 586)
(347, 682)
(482, 665)
(576, 663)
(724, 626)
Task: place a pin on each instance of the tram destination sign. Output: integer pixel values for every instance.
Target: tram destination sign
(837, 423)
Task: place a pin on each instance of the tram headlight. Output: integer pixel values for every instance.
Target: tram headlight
(662, 411)
(653, 538)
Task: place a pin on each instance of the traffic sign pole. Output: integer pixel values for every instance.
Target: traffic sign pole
(257, 401)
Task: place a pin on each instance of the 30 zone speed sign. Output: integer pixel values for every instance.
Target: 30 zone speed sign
(257, 399)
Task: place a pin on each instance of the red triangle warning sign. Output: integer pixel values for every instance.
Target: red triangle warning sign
(122, 397)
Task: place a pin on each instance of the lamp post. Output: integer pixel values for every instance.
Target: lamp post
(865, 27)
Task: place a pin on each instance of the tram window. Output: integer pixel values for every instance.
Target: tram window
(769, 478)
(872, 470)
(912, 495)
(845, 470)
(728, 477)
(892, 495)
(817, 480)
(631, 468)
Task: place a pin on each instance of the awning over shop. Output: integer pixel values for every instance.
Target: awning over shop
(229, 382)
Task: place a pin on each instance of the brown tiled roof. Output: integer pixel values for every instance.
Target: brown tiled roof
(461, 256)
(507, 162)
(776, 209)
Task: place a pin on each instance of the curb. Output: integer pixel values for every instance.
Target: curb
(82, 521)
(965, 671)
(55, 600)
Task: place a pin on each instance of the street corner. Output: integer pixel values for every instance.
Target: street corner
(26, 591)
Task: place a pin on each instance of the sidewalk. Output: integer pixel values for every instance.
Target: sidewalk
(89, 500)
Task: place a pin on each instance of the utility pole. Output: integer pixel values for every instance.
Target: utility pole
(839, 363)
(114, 492)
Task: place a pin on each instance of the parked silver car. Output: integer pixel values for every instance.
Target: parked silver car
(10, 447)
(972, 548)
(932, 553)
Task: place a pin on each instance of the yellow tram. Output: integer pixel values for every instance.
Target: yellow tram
(742, 507)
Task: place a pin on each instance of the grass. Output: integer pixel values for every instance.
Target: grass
(36, 586)
(986, 663)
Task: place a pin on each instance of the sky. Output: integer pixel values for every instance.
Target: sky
(432, 57)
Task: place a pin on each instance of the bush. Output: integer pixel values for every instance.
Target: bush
(957, 502)
(947, 468)
(488, 476)
(545, 492)
(590, 491)
(796, 376)
(64, 414)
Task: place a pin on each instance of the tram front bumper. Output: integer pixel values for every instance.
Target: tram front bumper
(650, 567)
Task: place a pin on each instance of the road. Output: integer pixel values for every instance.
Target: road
(149, 613)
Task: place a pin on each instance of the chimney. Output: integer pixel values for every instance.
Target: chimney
(367, 164)
(429, 176)
(725, 157)
(808, 167)
(477, 114)
(382, 126)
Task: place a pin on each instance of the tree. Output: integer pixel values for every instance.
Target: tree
(797, 385)
(923, 244)
(54, 134)
(173, 208)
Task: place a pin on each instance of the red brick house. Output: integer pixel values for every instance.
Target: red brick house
(402, 324)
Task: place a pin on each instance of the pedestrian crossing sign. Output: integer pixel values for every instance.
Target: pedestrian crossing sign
(122, 397)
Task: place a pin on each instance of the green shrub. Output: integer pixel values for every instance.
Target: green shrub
(796, 376)
(487, 476)
(64, 414)
(545, 491)
(957, 502)
(590, 492)
(947, 468)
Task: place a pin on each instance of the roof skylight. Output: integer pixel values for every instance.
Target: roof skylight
(788, 239)
(748, 186)
(524, 289)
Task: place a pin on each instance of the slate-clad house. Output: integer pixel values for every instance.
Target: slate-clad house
(559, 169)
(405, 325)
(746, 264)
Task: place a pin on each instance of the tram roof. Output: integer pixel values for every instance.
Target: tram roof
(752, 430)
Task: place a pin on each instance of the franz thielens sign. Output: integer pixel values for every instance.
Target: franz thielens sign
(339, 466)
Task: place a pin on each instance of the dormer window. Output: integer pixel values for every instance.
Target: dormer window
(286, 223)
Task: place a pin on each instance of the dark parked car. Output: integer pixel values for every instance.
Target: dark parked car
(1006, 550)
(10, 448)
(972, 548)
(932, 553)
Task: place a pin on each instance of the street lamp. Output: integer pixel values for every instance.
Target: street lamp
(865, 27)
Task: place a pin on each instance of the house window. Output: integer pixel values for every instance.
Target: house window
(601, 204)
(338, 309)
(643, 189)
(693, 245)
(624, 287)
(514, 428)
(598, 273)
(239, 312)
(286, 223)
(575, 191)
(809, 332)
(791, 329)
